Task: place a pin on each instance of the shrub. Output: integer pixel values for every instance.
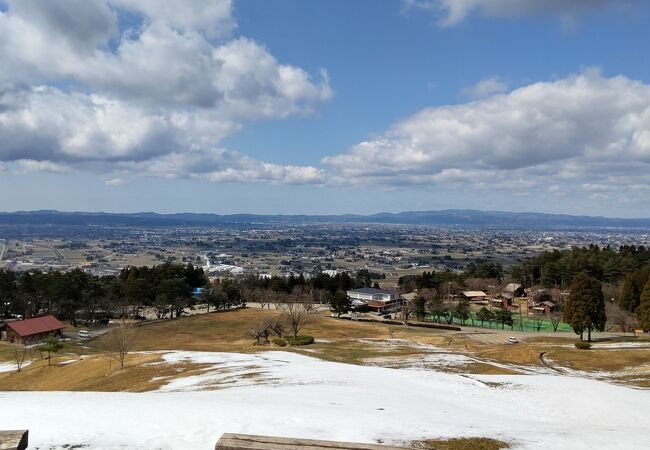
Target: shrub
(279, 342)
(300, 340)
(582, 345)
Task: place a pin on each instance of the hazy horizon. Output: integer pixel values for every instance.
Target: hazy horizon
(318, 214)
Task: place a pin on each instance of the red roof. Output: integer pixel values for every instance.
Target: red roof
(37, 325)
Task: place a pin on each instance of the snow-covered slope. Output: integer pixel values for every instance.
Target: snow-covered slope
(285, 394)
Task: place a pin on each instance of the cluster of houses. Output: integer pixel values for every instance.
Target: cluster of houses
(382, 301)
(539, 303)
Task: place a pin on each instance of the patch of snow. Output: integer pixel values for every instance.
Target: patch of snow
(613, 345)
(66, 362)
(298, 396)
(7, 367)
(11, 367)
(429, 361)
(618, 345)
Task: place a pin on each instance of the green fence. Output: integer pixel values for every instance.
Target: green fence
(527, 324)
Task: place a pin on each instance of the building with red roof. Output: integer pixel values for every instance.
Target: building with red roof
(32, 330)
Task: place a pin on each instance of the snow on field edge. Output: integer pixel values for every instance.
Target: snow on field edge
(286, 394)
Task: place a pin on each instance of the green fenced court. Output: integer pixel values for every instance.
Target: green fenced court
(527, 324)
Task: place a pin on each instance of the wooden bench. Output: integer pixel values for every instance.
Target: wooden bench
(231, 441)
(13, 440)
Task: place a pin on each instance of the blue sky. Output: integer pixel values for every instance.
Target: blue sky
(326, 106)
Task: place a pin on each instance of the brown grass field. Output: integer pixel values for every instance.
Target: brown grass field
(87, 367)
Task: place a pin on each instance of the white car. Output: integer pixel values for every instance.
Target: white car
(84, 334)
(512, 340)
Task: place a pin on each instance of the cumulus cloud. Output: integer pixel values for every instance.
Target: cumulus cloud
(214, 18)
(78, 87)
(158, 63)
(485, 88)
(582, 127)
(452, 12)
(225, 166)
(45, 123)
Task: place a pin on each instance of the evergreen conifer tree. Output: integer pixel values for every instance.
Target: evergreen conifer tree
(629, 294)
(50, 345)
(643, 311)
(585, 307)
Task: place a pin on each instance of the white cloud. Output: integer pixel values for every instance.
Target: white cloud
(452, 12)
(158, 63)
(214, 18)
(75, 91)
(30, 165)
(114, 182)
(485, 88)
(82, 24)
(48, 124)
(225, 166)
(583, 129)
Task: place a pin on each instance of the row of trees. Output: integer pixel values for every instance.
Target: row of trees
(427, 301)
(76, 294)
(558, 268)
(167, 289)
(624, 275)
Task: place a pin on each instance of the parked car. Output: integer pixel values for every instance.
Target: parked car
(84, 334)
(386, 316)
(512, 340)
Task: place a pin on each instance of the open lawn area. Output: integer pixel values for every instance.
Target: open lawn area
(199, 376)
(86, 366)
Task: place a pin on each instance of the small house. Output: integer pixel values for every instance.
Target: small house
(475, 295)
(545, 307)
(513, 290)
(33, 330)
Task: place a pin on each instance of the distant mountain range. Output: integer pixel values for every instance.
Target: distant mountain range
(461, 217)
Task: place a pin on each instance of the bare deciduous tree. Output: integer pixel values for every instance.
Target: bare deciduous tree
(19, 352)
(296, 316)
(260, 330)
(309, 305)
(276, 298)
(276, 326)
(254, 295)
(618, 316)
(319, 296)
(120, 340)
(555, 321)
(408, 308)
(265, 298)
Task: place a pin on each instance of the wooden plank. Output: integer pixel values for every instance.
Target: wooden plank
(231, 441)
(13, 440)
